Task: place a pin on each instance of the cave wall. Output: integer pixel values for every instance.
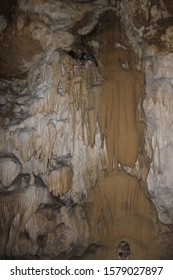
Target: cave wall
(85, 110)
(154, 44)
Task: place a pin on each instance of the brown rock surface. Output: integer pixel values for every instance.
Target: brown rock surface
(85, 130)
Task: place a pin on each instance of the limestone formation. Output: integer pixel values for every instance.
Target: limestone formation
(86, 129)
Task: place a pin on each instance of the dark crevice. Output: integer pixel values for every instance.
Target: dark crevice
(82, 56)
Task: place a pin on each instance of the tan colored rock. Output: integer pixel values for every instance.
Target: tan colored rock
(82, 166)
(60, 181)
(10, 167)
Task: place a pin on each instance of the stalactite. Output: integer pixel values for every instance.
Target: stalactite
(74, 156)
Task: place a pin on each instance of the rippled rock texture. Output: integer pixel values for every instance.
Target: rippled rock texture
(86, 140)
